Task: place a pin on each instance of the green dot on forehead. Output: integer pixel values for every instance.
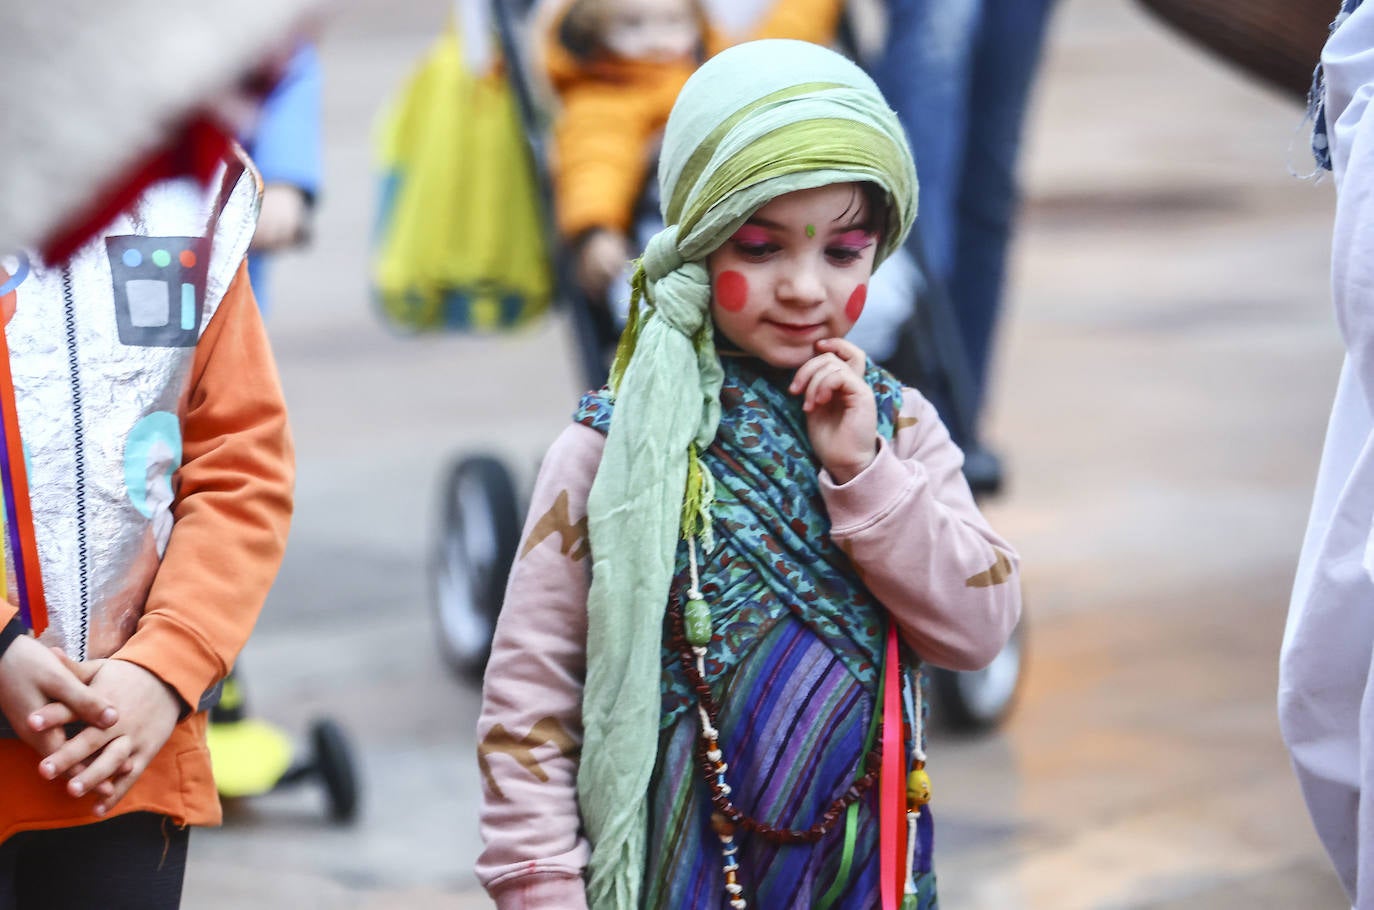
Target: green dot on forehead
(811, 230)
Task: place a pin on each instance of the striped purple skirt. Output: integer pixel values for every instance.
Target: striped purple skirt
(793, 722)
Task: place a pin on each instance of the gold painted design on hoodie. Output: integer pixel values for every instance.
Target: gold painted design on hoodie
(999, 572)
(573, 540)
(501, 741)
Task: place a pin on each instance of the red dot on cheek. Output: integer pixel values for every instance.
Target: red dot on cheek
(732, 291)
(855, 306)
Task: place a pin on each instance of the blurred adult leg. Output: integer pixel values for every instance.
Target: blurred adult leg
(924, 73)
(1006, 55)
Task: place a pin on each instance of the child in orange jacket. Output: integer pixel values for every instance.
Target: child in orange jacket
(617, 67)
(141, 544)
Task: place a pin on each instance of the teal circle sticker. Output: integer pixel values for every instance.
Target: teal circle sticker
(152, 455)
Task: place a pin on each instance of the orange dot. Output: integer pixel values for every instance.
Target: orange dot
(188, 259)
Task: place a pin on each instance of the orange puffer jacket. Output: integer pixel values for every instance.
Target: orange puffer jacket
(611, 112)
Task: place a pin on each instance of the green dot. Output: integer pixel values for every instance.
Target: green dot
(161, 258)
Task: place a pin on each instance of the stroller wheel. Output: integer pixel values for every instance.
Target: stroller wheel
(477, 541)
(972, 701)
(334, 762)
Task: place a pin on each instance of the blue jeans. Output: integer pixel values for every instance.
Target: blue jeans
(958, 74)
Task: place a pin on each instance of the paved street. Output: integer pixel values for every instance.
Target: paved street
(1166, 371)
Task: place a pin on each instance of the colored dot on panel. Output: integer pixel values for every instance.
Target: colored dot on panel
(133, 258)
(188, 307)
(187, 259)
(161, 258)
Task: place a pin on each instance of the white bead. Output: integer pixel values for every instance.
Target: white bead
(734, 889)
(738, 904)
(725, 790)
(713, 755)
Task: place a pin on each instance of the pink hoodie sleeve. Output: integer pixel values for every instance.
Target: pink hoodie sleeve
(530, 731)
(911, 527)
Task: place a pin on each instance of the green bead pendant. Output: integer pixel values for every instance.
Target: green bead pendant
(697, 619)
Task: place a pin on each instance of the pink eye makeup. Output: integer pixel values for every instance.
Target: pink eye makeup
(857, 239)
(752, 235)
(846, 248)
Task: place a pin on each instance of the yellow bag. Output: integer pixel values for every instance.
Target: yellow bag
(461, 242)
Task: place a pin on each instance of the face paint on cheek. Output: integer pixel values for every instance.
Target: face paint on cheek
(855, 306)
(732, 291)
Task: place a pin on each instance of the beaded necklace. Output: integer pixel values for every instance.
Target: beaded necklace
(690, 630)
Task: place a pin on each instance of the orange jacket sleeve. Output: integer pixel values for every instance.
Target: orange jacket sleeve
(232, 508)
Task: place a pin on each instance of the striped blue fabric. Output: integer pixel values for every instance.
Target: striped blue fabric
(793, 721)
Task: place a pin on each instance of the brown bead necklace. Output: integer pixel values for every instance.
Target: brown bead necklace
(689, 634)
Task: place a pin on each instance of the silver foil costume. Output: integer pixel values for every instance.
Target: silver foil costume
(101, 353)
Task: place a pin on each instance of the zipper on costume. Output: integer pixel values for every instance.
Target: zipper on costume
(79, 451)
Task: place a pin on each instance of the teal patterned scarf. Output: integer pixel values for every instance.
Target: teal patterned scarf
(773, 553)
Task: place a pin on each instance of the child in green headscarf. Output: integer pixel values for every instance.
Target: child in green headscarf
(696, 695)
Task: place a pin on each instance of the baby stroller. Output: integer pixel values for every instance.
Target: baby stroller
(480, 512)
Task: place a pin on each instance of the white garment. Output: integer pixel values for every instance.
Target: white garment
(1326, 673)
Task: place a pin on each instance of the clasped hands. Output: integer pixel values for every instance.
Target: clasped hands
(127, 710)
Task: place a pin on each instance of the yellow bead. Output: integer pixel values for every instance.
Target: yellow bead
(917, 787)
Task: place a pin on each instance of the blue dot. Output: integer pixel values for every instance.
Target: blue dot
(133, 258)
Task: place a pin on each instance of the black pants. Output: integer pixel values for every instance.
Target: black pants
(131, 862)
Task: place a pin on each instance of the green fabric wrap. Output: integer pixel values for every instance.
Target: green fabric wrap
(755, 122)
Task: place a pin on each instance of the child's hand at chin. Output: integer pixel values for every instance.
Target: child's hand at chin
(841, 414)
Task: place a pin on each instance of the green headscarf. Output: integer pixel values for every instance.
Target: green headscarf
(755, 122)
